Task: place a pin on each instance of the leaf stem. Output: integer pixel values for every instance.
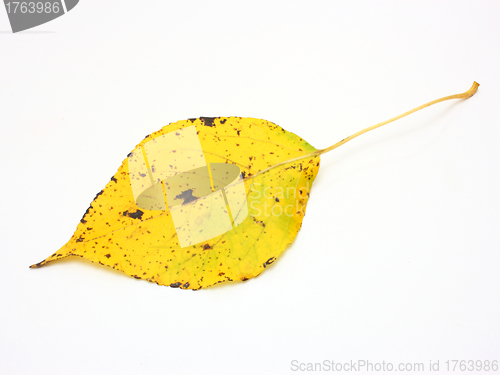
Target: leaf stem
(464, 95)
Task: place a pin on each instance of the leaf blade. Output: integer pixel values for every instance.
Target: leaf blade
(143, 243)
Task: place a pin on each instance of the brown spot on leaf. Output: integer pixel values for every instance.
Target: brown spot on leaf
(208, 121)
(187, 195)
(86, 212)
(134, 215)
(269, 261)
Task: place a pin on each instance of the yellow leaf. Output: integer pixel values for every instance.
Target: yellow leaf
(203, 201)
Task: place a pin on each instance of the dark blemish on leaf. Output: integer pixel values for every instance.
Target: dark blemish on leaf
(186, 285)
(107, 256)
(223, 121)
(147, 136)
(86, 212)
(259, 222)
(269, 261)
(244, 278)
(238, 131)
(59, 255)
(137, 277)
(277, 200)
(134, 215)
(177, 133)
(175, 285)
(80, 239)
(208, 121)
(142, 174)
(114, 179)
(243, 174)
(187, 195)
(207, 247)
(98, 194)
(192, 119)
(129, 155)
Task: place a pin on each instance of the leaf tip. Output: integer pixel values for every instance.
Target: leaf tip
(57, 255)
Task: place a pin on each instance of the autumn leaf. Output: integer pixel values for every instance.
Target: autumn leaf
(204, 201)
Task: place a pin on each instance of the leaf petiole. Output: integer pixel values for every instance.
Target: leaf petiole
(464, 95)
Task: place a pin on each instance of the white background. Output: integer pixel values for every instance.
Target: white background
(398, 258)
